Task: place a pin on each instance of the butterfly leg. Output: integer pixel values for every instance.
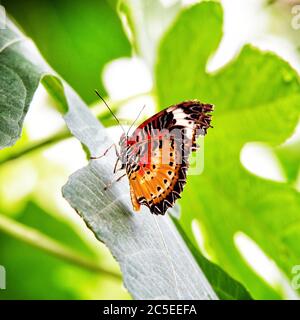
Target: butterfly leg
(120, 168)
(115, 167)
(105, 152)
(117, 152)
(113, 181)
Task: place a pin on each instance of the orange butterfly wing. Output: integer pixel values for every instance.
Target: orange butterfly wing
(157, 154)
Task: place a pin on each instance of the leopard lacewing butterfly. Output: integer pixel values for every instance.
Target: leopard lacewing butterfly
(155, 155)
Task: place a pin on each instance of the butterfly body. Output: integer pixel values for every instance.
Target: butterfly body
(155, 156)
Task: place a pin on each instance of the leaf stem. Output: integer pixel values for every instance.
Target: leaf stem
(62, 135)
(99, 112)
(41, 241)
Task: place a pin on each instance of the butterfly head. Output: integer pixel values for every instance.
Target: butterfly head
(126, 141)
(123, 140)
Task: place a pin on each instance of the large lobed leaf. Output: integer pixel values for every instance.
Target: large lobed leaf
(257, 98)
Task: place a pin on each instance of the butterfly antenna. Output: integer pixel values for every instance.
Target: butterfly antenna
(144, 106)
(98, 94)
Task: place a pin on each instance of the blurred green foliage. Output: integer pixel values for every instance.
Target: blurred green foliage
(257, 98)
(33, 274)
(77, 38)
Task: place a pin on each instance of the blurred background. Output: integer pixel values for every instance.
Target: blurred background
(93, 44)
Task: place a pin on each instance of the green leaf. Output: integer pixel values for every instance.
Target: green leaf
(225, 286)
(22, 69)
(257, 99)
(73, 37)
(289, 155)
(19, 78)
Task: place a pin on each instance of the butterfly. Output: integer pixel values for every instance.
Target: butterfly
(155, 156)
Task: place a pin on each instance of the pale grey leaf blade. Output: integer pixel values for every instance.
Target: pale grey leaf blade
(155, 261)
